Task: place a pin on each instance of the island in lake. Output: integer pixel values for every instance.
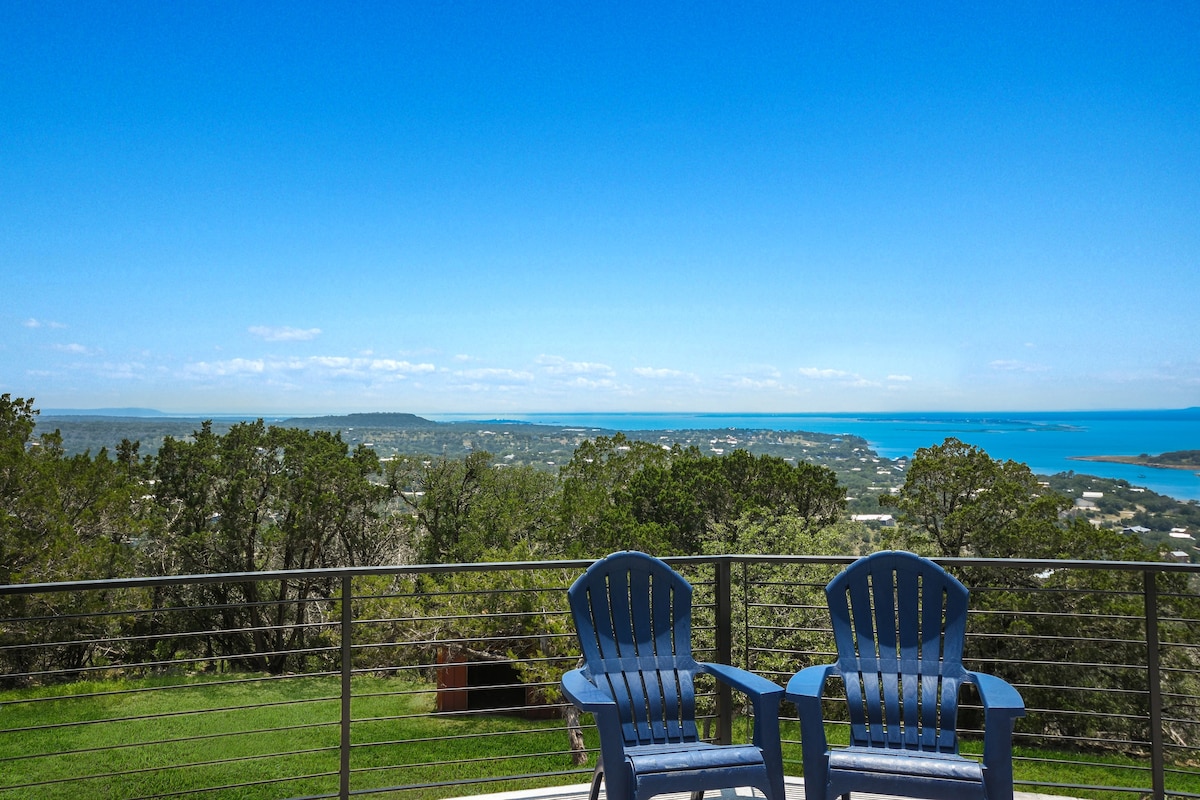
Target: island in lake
(1176, 459)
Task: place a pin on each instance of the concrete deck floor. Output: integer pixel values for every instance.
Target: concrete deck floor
(793, 786)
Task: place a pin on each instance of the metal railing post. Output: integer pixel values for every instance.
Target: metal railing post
(347, 619)
(1154, 676)
(745, 616)
(724, 643)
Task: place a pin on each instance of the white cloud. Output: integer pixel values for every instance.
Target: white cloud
(392, 365)
(825, 374)
(233, 366)
(333, 362)
(345, 365)
(1012, 365)
(75, 349)
(125, 371)
(900, 378)
(328, 366)
(496, 373)
(557, 365)
(756, 384)
(581, 382)
(38, 323)
(659, 373)
(284, 333)
(841, 377)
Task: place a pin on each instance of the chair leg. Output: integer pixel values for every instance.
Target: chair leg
(597, 776)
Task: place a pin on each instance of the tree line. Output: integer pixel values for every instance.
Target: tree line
(261, 497)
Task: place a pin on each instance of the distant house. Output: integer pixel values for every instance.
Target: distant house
(1135, 529)
(1093, 495)
(1179, 555)
(875, 519)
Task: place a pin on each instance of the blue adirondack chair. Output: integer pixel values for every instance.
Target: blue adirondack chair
(633, 616)
(899, 621)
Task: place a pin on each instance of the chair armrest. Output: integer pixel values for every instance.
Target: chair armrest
(755, 686)
(584, 694)
(1002, 704)
(765, 696)
(587, 696)
(997, 694)
(809, 683)
(805, 690)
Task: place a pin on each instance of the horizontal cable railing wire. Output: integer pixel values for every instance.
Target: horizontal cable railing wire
(1106, 672)
(234, 686)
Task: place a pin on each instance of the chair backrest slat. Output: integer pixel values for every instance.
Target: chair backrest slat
(633, 615)
(899, 623)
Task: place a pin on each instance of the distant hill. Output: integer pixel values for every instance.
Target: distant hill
(101, 412)
(377, 419)
(1179, 459)
(1176, 459)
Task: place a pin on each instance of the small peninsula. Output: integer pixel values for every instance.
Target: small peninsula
(1176, 459)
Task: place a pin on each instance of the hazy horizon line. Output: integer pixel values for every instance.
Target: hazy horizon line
(144, 412)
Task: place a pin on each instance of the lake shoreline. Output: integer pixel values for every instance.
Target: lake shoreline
(1136, 461)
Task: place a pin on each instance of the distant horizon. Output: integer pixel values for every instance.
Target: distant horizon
(1047, 441)
(497, 415)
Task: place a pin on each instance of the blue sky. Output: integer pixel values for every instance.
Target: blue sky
(482, 207)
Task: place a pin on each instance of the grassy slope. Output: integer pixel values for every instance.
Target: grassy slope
(212, 734)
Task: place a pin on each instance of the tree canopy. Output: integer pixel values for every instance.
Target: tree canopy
(957, 500)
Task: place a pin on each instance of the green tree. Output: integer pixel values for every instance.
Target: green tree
(787, 602)
(61, 518)
(28, 493)
(470, 509)
(623, 494)
(64, 517)
(693, 498)
(597, 510)
(262, 498)
(957, 500)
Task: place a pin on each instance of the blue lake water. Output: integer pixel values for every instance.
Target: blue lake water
(1043, 440)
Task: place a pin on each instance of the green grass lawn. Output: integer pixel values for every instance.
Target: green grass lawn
(201, 733)
(252, 737)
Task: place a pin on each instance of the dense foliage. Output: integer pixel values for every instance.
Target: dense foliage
(260, 497)
(958, 501)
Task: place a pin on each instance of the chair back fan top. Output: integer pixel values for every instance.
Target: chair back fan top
(899, 624)
(633, 615)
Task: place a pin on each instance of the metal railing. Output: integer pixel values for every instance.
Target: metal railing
(438, 681)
